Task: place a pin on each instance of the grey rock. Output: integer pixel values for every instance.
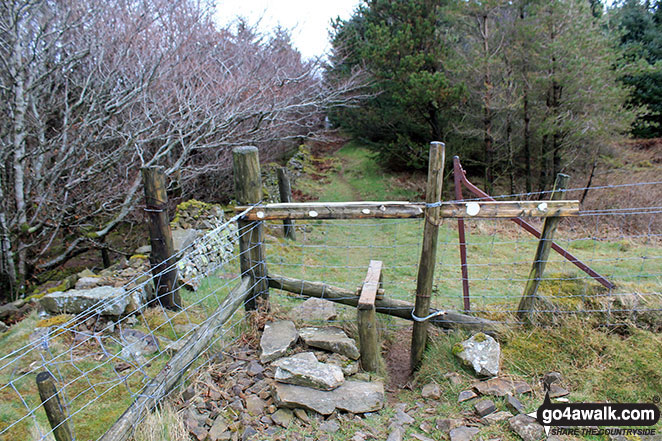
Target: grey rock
(481, 352)
(90, 282)
(556, 391)
(463, 433)
(497, 417)
(249, 433)
(137, 343)
(351, 396)
(395, 434)
(237, 405)
(347, 366)
(109, 300)
(466, 395)
(3, 327)
(218, 427)
(402, 418)
(551, 377)
(454, 378)
(183, 238)
(314, 309)
(514, 405)
(359, 436)
(526, 427)
(500, 387)
(302, 415)
(254, 368)
(282, 417)
(304, 370)
(255, 405)
(420, 437)
(276, 339)
(431, 390)
(445, 425)
(145, 249)
(330, 339)
(330, 426)
(484, 407)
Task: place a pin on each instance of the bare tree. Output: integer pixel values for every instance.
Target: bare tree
(93, 90)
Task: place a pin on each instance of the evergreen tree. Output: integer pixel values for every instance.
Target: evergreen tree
(397, 43)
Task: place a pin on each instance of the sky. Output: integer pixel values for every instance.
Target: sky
(308, 20)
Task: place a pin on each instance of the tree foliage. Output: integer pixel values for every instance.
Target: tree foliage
(399, 45)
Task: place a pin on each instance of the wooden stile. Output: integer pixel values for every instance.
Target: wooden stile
(367, 318)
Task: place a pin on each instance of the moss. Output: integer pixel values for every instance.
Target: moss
(457, 348)
(138, 256)
(480, 337)
(56, 320)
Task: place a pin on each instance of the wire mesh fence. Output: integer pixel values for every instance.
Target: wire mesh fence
(102, 364)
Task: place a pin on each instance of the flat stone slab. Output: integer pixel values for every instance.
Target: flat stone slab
(276, 339)
(110, 300)
(304, 370)
(463, 433)
(314, 309)
(352, 396)
(497, 417)
(526, 427)
(330, 339)
(500, 387)
(481, 352)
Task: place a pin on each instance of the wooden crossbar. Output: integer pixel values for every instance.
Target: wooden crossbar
(404, 210)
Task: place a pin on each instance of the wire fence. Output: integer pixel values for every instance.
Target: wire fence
(622, 243)
(101, 364)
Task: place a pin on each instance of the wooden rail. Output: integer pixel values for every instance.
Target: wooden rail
(407, 210)
(174, 370)
(393, 307)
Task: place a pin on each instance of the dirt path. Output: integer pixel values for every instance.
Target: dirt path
(356, 196)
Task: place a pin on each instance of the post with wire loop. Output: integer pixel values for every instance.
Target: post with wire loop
(55, 411)
(526, 308)
(162, 257)
(429, 250)
(248, 191)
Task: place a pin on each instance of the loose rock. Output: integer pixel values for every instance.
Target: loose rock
(526, 427)
(463, 433)
(276, 339)
(282, 417)
(551, 377)
(330, 426)
(556, 391)
(352, 396)
(110, 301)
(304, 370)
(255, 405)
(330, 339)
(481, 352)
(514, 404)
(484, 407)
(314, 309)
(431, 390)
(497, 417)
(500, 387)
(466, 395)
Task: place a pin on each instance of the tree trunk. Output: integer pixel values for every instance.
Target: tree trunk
(527, 143)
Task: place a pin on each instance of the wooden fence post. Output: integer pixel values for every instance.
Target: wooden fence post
(428, 251)
(57, 416)
(285, 191)
(162, 257)
(248, 190)
(525, 310)
(367, 318)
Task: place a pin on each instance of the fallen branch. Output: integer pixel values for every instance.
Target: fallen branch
(173, 371)
(396, 308)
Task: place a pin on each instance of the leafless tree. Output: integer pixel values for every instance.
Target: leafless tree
(93, 90)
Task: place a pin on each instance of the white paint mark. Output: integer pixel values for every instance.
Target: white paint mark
(312, 213)
(382, 208)
(542, 206)
(365, 211)
(260, 214)
(473, 208)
